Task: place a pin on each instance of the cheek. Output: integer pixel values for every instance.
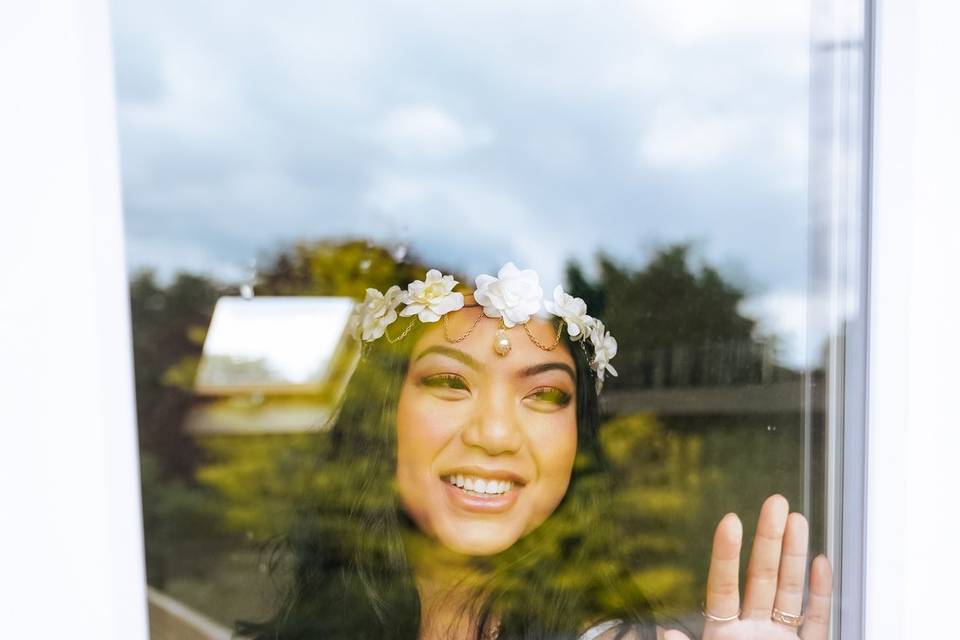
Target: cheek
(421, 429)
(555, 450)
(553, 441)
(422, 433)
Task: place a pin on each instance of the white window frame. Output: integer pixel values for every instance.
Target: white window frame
(913, 441)
(838, 301)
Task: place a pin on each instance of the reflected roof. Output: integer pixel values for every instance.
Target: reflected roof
(271, 344)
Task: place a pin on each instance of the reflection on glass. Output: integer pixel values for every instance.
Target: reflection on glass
(278, 343)
(271, 364)
(676, 429)
(354, 145)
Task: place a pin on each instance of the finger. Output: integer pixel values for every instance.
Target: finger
(761, 587)
(723, 578)
(793, 565)
(816, 622)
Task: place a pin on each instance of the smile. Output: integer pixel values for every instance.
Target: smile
(477, 486)
(480, 495)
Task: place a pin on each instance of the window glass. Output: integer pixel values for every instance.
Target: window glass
(281, 161)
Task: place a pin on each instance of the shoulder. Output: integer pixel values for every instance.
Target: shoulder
(609, 629)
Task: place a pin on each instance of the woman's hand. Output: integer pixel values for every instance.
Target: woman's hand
(775, 580)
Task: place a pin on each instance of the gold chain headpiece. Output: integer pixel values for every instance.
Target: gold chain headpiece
(514, 296)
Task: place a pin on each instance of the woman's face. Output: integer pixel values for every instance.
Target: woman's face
(503, 428)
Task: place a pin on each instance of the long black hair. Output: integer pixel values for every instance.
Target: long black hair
(350, 573)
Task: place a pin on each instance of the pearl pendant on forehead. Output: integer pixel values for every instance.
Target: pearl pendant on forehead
(501, 342)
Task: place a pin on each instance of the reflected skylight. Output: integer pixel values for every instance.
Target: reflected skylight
(271, 342)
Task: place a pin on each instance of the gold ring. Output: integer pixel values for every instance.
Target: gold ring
(786, 618)
(713, 618)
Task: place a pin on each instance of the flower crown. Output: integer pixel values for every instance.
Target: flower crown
(513, 296)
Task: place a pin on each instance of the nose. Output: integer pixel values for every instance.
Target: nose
(495, 425)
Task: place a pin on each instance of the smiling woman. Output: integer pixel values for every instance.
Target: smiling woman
(472, 484)
(485, 443)
(466, 493)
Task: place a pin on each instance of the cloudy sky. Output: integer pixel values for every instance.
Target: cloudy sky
(475, 132)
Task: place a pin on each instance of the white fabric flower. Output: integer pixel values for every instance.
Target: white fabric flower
(371, 317)
(431, 298)
(604, 349)
(514, 295)
(572, 310)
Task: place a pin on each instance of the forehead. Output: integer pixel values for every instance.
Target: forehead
(481, 332)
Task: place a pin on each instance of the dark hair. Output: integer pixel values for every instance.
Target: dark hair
(351, 577)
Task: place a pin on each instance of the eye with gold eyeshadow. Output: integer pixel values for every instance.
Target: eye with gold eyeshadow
(549, 397)
(446, 385)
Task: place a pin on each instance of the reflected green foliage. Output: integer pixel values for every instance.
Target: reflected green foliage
(656, 503)
(257, 478)
(180, 520)
(641, 531)
(169, 324)
(648, 521)
(337, 268)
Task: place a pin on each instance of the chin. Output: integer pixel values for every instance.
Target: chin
(479, 542)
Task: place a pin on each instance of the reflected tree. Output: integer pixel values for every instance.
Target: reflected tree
(169, 324)
(336, 268)
(677, 325)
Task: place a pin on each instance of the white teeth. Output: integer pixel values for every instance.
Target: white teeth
(480, 485)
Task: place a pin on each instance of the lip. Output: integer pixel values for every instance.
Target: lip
(493, 503)
(496, 474)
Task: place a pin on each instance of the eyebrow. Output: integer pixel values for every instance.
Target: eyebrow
(549, 366)
(456, 354)
(474, 364)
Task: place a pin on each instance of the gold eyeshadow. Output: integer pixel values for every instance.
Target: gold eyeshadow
(551, 394)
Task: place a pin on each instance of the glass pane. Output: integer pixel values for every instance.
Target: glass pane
(651, 159)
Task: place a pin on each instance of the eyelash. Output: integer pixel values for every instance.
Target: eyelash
(455, 382)
(560, 398)
(441, 380)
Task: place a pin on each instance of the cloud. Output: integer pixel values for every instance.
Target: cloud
(474, 132)
(677, 138)
(445, 214)
(688, 22)
(429, 131)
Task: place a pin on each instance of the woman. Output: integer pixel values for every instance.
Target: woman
(465, 491)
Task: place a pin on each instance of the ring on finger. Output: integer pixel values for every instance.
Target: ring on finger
(788, 619)
(713, 618)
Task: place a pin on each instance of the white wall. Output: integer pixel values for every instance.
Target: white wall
(914, 420)
(71, 532)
